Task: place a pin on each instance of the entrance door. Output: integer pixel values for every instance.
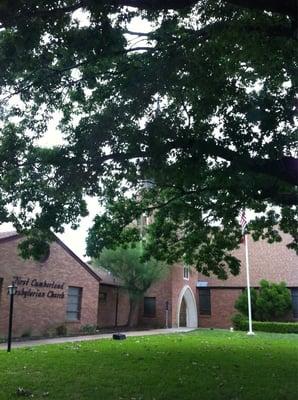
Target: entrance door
(182, 315)
(187, 314)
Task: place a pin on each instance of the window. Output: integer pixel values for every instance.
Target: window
(186, 273)
(204, 301)
(295, 302)
(74, 300)
(103, 297)
(149, 306)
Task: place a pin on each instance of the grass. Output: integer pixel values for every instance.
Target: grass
(199, 365)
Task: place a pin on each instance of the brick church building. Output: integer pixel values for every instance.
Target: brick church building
(63, 294)
(188, 298)
(273, 262)
(54, 296)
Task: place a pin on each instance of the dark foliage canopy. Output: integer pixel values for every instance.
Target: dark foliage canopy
(189, 122)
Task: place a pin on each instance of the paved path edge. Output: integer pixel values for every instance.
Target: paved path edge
(39, 342)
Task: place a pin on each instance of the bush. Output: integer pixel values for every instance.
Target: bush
(277, 327)
(273, 301)
(241, 324)
(88, 328)
(270, 303)
(241, 303)
(61, 330)
(237, 321)
(26, 334)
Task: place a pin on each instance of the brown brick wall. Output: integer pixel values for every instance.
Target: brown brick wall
(273, 262)
(161, 290)
(41, 315)
(168, 289)
(107, 310)
(222, 308)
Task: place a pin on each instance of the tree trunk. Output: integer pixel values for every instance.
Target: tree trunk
(132, 319)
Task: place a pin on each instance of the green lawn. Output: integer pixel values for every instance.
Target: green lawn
(199, 365)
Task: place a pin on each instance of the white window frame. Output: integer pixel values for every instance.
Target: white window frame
(186, 275)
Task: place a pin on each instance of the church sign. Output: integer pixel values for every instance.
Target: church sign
(34, 288)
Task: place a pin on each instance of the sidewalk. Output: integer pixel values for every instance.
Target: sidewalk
(30, 343)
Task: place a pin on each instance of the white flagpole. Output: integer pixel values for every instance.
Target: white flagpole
(250, 331)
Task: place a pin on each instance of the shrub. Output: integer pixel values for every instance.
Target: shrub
(88, 328)
(241, 303)
(277, 327)
(241, 324)
(26, 334)
(61, 330)
(273, 301)
(270, 303)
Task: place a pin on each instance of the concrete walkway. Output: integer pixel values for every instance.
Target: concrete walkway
(30, 343)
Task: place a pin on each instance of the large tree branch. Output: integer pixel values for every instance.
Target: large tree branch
(287, 7)
(279, 198)
(282, 170)
(219, 26)
(10, 15)
(273, 190)
(157, 4)
(285, 169)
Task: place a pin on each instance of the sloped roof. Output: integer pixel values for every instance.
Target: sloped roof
(106, 277)
(7, 236)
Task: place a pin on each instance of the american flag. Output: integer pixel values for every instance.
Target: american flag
(243, 221)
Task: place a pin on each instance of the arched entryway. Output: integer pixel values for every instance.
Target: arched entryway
(187, 309)
(182, 314)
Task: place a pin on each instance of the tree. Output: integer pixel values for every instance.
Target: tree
(241, 303)
(223, 137)
(135, 275)
(270, 302)
(273, 302)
